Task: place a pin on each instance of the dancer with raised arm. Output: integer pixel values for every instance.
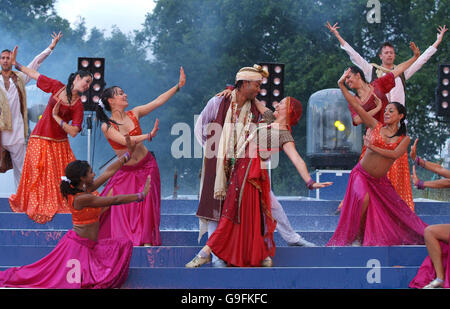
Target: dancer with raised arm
(372, 71)
(48, 150)
(373, 214)
(139, 222)
(372, 97)
(435, 270)
(13, 107)
(80, 259)
(244, 235)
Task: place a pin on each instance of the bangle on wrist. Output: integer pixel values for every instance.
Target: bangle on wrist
(178, 87)
(310, 184)
(125, 157)
(149, 137)
(419, 161)
(420, 185)
(141, 197)
(18, 66)
(61, 123)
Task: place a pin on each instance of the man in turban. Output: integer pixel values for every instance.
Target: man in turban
(222, 127)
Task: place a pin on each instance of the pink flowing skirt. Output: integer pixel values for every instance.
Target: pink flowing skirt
(137, 221)
(426, 272)
(75, 263)
(389, 220)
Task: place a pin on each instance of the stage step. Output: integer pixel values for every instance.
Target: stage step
(178, 256)
(292, 206)
(41, 237)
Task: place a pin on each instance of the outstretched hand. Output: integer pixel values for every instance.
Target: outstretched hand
(14, 55)
(155, 128)
(130, 144)
(182, 80)
(415, 49)
(319, 185)
(147, 185)
(55, 39)
(413, 151)
(333, 29)
(441, 32)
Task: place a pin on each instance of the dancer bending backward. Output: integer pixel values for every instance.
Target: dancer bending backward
(373, 214)
(372, 97)
(79, 260)
(433, 273)
(139, 222)
(48, 150)
(244, 236)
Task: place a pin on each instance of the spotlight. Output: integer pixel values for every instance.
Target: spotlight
(442, 90)
(96, 66)
(272, 88)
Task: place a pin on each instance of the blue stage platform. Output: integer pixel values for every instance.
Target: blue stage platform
(23, 242)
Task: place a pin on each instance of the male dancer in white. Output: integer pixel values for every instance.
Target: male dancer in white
(13, 104)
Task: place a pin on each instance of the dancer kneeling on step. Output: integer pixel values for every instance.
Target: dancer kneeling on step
(80, 260)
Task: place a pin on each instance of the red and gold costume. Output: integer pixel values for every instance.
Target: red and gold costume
(48, 153)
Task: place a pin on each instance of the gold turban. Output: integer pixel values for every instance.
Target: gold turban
(255, 73)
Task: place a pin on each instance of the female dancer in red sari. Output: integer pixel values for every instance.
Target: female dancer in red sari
(373, 214)
(244, 236)
(80, 260)
(48, 150)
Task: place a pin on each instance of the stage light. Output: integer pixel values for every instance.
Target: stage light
(272, 88)
(96, 66)
(442, 90)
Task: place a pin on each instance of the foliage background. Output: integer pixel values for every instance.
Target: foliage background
(212, 39)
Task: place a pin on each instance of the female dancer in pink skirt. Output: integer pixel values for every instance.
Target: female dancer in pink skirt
(80, 260)
(373, 214)
(435, 270)
(140, 222)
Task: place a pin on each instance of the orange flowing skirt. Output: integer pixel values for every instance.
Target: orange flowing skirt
(38, 194)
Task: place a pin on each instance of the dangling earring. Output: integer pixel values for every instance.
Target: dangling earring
(84, 187)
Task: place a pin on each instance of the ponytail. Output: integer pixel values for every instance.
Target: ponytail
(74, 171)
(103, 105)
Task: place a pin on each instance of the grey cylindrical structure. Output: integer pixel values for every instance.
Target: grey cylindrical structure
(333, 142)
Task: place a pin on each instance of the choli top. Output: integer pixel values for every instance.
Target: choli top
(87, 215)
(47, 127)
(136, 131)
(265, 137)
(377, 139)
(381, 86)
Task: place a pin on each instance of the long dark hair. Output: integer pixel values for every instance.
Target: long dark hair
(74, 171)
(354, 69)
(108, 93)
(70, 80)
(401, 110)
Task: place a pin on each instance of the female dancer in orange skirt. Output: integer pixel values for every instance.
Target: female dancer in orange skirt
(48, 150)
